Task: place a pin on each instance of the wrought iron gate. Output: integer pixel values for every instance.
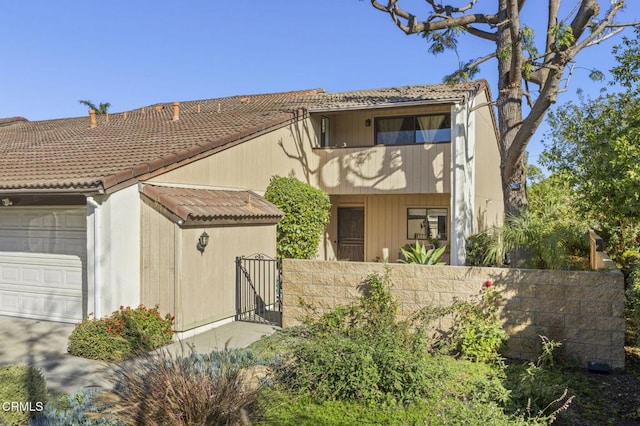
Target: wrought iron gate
(258, 289)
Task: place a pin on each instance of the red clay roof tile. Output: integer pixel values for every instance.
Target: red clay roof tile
(201, 205)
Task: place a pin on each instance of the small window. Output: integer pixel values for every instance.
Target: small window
(324, 131)
(427, 224)
(407, 130)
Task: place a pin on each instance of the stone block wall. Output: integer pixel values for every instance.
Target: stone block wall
(583, 310)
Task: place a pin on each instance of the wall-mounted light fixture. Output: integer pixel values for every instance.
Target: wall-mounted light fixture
(202, 242)
(6, 202)
(367, 122)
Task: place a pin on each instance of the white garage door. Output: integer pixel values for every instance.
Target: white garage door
(42, 253)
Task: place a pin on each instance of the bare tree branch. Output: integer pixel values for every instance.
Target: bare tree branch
(481, 34)
(410, 25)
(518, 61)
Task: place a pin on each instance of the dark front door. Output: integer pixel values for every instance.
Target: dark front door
(351, 234)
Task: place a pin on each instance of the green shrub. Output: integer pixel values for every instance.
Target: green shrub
(419, 254)
(339, 368)
(361, 352)
(219, 388)
(25, 387)
(306, 211)
(456, 392)
(477, 250)
(126, 333)
(477, 332)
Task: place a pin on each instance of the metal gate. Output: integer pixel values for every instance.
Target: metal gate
(258, 289)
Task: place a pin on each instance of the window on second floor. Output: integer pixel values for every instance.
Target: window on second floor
(406, 130)
(325, 127)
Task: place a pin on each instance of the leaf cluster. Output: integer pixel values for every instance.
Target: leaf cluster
(307, 212)
(595, 144)
(477, 333)
(550, 234)
(101, 108)
(419, 254)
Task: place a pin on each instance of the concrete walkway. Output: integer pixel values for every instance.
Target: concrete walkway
(43, 344)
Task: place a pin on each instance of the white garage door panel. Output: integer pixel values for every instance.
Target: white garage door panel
(42, 253)
(44, 286)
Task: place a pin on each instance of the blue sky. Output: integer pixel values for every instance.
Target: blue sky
(136, 53)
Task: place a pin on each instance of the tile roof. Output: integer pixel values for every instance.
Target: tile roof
(70, 155)
(212, 206)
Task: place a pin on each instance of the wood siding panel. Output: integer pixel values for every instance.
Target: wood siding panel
(290, 152)
(207, 282)
(385, 220)
(158, 262)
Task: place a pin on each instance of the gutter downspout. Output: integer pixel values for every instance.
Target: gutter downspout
(97, 256)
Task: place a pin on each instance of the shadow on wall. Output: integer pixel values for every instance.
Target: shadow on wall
(584, 311)
(357, 167)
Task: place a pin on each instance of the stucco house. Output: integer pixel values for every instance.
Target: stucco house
(108, 210)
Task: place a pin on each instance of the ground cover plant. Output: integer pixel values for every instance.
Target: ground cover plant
(126, 333)
(23, 392)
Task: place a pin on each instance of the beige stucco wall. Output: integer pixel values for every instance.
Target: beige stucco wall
(489, 207)
(198, 288)
(582, 310)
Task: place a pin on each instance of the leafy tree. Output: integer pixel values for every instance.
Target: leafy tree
(306, 216)
(102, 108)
(595, 143)
(522, 60)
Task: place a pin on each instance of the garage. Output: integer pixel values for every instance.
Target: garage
(42, 258)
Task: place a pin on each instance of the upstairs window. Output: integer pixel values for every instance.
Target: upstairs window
(325, 130)
(413, 129)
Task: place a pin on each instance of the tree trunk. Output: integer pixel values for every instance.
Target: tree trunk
(509, 107)
(514, 190)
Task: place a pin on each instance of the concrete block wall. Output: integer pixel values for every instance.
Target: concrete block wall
(583, 310)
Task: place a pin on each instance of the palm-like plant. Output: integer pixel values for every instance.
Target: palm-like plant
(419, 254)
(102, 108)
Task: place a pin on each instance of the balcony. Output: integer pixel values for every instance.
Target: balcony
(380, 169)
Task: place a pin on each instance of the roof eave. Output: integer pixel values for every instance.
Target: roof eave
(390, 105)
(88, 190)
(230, 221)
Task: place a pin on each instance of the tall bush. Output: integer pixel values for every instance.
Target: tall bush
(306, 211)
